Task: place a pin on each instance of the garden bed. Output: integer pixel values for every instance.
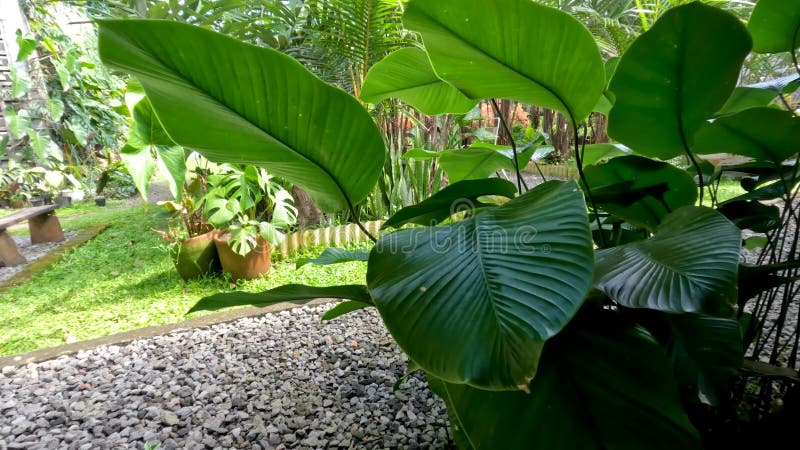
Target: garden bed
(284, 380)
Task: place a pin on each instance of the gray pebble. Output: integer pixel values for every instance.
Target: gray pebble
(279, 381)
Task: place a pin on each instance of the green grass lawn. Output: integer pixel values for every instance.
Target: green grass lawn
(121, 280)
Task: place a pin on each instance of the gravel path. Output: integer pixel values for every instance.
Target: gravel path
(31, 252)
(280, 381)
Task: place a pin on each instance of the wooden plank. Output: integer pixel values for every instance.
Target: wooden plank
(25, 214)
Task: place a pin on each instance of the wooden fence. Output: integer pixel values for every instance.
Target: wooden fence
(326, 237)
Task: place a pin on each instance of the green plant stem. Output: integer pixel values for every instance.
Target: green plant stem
(579, 163)
(642, 15)
(520, 181)
(358, 222)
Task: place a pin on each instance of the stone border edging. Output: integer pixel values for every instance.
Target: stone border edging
(38, 356)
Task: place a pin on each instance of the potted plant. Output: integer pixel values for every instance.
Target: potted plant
(191, 243)
(252, 211)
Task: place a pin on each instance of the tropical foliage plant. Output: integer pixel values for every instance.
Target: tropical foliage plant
(247, 202)
(590, 314)
(64, 111)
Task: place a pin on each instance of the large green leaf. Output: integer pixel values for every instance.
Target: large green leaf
(774, 25)
(43, 147)
(674, 77)
(473, 302)
(343, 308)
(334, 255)
(149, 147)
(145, 128)
(457, 197)
(706, 352)
(744, 97)
(596, 389)
(141, 165)
(18, 123)
(56, 108)
(172, 162)
(297, 293)
(764, 134)
(752, 215)
(644, 190)
(595, 153)
(515, 49)
(689, 265)
(25, 45)
(481, 160)
(407, 75)
(235, 102)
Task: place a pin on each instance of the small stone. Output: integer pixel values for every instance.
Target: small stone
(170, 418)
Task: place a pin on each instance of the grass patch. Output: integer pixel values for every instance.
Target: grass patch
(123, 280)
(728, 189)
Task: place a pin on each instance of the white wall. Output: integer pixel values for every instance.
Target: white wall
(11, 20)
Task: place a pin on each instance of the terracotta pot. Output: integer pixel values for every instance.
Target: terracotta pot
(253, 265)
(19, 204)
(196, 256)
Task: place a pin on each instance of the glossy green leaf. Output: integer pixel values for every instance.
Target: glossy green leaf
(777, 189)
(478, 161)
(752, 215)
(20, 84)
(296, 293)
(486, 50)
(706, 352)
(764, 134)
(420, 154)
(149, 147)
(343, 308)
(457, 197)
(406, 74)
(756, 279)
(63, 76)
(43, 147)
(171, 162)
(335, 256)
(236, 102)
(642, 190)
(56, 108)
(689, 265)
(596, 389)
(755, 242)
(25, 47)
(675, 76)
(146, 129)
(774, 25)
(18, 123)
(141, 166)
(595, 153)
(473, 302)
(744, 97)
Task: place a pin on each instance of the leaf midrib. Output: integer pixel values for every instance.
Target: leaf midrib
(547, 88)
(245, 119)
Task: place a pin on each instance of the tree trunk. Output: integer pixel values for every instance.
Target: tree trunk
(507, 108)
(599, 128)
(308, 215)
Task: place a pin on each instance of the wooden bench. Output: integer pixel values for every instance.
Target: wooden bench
(43, 225)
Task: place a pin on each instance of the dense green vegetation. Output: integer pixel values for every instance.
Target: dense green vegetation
(122, 280)
(612, 311)
(619, 286)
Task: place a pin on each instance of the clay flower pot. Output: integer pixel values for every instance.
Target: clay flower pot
(253, 265)
(196, 256)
